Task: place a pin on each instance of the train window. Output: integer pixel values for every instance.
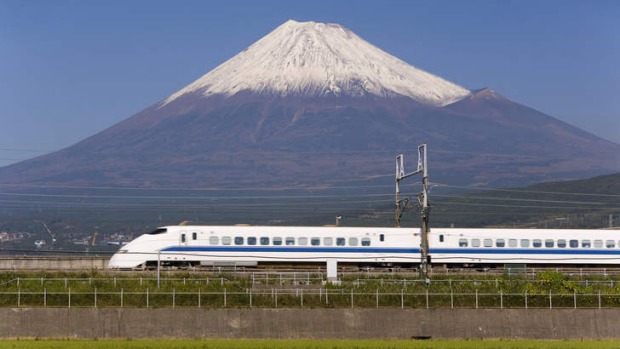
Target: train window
(352, 241)
(549, 243)
(586, 243)
(315, 241)
(525, 243)
(462, 242)
(264, 240)
(610, 243)
(238, 240)
(251, 240)
(302, 241)
(194, 236)
(290, 241)
(340, 241)
(488, 242)
(226, 240)
(158, 231)
(512, 242)
(214, 240)
(475, 242)
(537, 243)
(561, 243)
(382, 237)
(365, 241)
(598, 243)
(182, 237)
(277, 241)
(573, 243)
(500, 243)
(328, 241)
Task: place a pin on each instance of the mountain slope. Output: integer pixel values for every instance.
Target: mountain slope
(312, 104)
(584, 203)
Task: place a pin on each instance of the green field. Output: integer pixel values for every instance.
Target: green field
(300, 344)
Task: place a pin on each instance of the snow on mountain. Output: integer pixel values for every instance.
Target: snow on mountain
(319, 59)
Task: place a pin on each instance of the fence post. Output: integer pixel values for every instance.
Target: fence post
(501, 298)
(451, 298)
(426, 298)
(45, 297)
(199, 297)
(174, 297)
(19, 296)
(276, 297)
(402, 299)
(550, 302)
(575, 299)
(351, 298)
(69, 296)
(599, 299)
(327, 296)
(377, 298)
(476, 299)
(147, 295)
(121, 297)
(95, 297)
(302, 297)
(251, 293)
(224, 298)
(525, 299)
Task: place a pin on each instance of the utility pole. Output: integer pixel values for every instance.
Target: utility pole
(422, 201)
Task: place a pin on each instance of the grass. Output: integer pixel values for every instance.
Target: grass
(300, 343)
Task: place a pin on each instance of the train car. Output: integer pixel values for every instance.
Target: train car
(193, 245)
(251, 245)
(491, 247)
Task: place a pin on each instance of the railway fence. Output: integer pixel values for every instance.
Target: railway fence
(305, 298)
(295, 289)
(256, 280)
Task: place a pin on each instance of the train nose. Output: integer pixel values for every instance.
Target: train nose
(115, 262)
(123, 260)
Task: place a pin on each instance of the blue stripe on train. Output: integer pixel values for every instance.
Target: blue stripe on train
(297, 249)
(538, 251)
(290, 249)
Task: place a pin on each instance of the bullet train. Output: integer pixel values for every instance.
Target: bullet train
(203, 245)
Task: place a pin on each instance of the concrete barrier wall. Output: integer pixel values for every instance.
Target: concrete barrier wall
(309, 323)
(53, 263)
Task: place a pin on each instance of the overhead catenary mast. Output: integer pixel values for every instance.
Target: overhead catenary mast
(422, 201)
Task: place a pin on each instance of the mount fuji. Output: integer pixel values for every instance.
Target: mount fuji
(313, 104)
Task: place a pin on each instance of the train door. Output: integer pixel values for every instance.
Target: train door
(183, 238)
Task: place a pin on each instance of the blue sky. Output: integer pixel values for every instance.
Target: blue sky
(69, 69)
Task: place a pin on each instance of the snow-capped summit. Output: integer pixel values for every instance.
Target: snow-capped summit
(321, 59)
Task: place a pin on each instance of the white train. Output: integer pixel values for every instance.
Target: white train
(252, 245)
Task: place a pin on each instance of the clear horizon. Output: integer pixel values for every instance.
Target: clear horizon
(71, 68)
